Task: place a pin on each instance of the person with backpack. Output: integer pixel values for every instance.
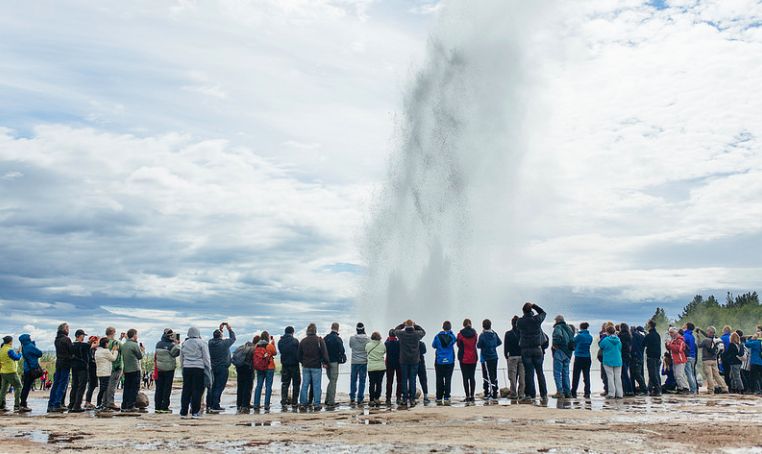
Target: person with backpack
(219, 354)
(676, 347)
(582, 360)
(290, 376)
(375, 351)
(710, 350)
(755, 360)
(313, 355)
(409, 335)
(512, 353)
(264, 365)
(468, 357)
(653, 359)
(359, 366)
(165, 360)
(487, 344)
(532, 341)
(32, 369)
(562, 348)
(243, 361)
(80, 360)
(393, 369)
(611, 346)
(636, 361)
(732, 361)
(444, 362)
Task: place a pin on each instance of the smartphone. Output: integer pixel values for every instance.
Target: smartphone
(177, 336)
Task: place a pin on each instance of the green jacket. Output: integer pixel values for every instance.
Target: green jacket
(376, 350)
(116, 365)
(131, 355)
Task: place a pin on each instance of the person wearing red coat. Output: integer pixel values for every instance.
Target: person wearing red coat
(468, 358)
(676, 347)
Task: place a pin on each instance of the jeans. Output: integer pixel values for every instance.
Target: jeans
(468, 371)
(532, 359)
(409, 374)
(131, 388)
(654, 377)
(357, 385)
(9, 380)
(489, 378)
(219, 381)
(28, 383)
(636, 376)
(60, 383)
(92, 383)
(392, 372)
(516, 376)
(290, 378)
(193, 388)
(626, 381)
(735, 378)
(164, 380)
(423, 379)
(116, 376)
(614, 376)
(244, 385)
(102, 387)
(581, 366)
(375, 378)
(264, 377)
(561, 372)
(310, 377)
(444, 380)
(78, 387)
(690, 374)
(333, 377)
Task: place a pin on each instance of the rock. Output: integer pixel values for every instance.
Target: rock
(505, 392)
(141, 401)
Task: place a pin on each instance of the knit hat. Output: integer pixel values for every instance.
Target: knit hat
(7, 339)
(360, 328)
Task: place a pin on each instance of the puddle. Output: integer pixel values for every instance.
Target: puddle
(274, 423)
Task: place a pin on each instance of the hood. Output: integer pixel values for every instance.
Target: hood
(194, 332)
(168, 337)
(614, 339)
(488, 331)
(25, 339)
(391, 339)
(468, 332)
(262, 343)
(559, 323)
(583, 331)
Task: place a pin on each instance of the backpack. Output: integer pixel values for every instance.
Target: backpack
(545, 342)
(570, 335)
(239, 356)
(261, 358)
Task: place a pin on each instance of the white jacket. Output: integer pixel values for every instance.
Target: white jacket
(103, 359)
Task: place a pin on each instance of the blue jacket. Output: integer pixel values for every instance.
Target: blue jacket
(335, 346)
(582, 342)
(487, 344)
(690, 340)
(612, 351)
(30, 352)
(755, 347)
(444, 344)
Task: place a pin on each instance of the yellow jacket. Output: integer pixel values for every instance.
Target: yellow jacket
(8, 359)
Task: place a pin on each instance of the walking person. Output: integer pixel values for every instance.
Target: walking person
(92, 375)
(313, 355)
(264, 365)
(653, 359)
(392, 346)
(422, 376)
(165, 358)
(468, 357)
(63, 369)
(375, 350)
(512, 353)
(104, 359)
(582, 359)
(32, 369)
(611, 345)
(80, 360)
(691, 356)
(219, 354)
(562, 348)
(197, 369)
(676, 347)
(116, 368)
(636, 361)
(243, 360)
(487, 343)
(359, 366)
(336, 355)
(409, 335)
(290, 376)
(709, 351)
(132, 353)
(444, 362)
(626, 338)
(8, 375)
(531, 341)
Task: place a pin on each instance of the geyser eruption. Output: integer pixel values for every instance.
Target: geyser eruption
(439, 242)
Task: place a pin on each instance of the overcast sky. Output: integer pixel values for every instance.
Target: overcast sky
(168, 163)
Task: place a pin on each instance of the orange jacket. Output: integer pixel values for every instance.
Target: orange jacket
(676, 348)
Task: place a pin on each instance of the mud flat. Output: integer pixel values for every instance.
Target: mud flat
(670, 424)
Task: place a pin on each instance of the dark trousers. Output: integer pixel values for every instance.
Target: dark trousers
(193, 389)
(581, 367)
(290, 378)
(60, 383)
(375, 378)
(423, 379)
(604, 378)
(532, 360)
(626, 381)
(78, 387)
(756, 378)
(391, 372)
(468, 371)
(102, 387)
(219, 380)
(489, 378)
(636, 375)
(245, 385)
(131, 388)
(28, 382)
(92, 383)
(444, 380)
(164, 379)
(654, 375)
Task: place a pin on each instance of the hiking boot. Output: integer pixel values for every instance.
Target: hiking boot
(526, 400)
(24, 409)
(77, 410)
(557, 396)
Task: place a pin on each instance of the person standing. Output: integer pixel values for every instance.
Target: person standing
(290, 376)
(487, 344)
(197, 369)
(165, 357)
(243, 360)
(562, 348)
(104, 359)
(264, 365)
(219, 353)
(626, 338)
(132, 353)
(676, 347)
(754, 345)
(63, 369)
(32, 370)
(313, 355)
(116, 368)
(92, 377)
(336, 356)
(444, 362)
(422, 376)
(611, 346)
(410, 336)
(582, 359)
(531, 341)
(357, 344)
(375, 350)
(732, 362)
(512, 353)
(468, 357)
(692, 353)
(392, 346)
(80, 360)
(709, 352)
(636, 361)
(8, 366)
(653, 359)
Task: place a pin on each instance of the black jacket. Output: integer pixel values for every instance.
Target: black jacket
(80, 355)
(63, 350)
(335, 347)
(392, 353)
(638, 346)
(530, 329)
(653, 344)
(288, 347)
(511, 343)
(730, 357)
(410, 338)
(626, 339)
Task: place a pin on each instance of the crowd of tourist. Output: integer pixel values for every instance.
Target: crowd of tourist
(731, 362)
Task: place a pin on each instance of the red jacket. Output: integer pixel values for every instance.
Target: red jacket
(467, 346)
(676, 348)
